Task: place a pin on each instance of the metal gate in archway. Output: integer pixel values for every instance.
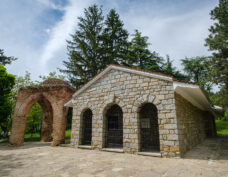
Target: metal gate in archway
(87, 127)
(114, 127)
(149, 130)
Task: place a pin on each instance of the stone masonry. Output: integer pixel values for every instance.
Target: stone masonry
(129, 91)
(192, 124)
(181, 125)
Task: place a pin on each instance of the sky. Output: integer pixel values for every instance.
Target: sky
(35, 31)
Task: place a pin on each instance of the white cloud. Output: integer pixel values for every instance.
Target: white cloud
(51, 4)
(36, 34)
(178, 35)
(62, 30)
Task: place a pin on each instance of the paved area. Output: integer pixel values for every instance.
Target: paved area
(39, 159)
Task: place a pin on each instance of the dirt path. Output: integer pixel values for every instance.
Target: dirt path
(39, 159)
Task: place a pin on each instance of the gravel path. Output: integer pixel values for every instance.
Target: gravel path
(39, 159)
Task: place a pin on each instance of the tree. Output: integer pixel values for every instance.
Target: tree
(85, 50)
(219, 98)
(217, 42)
(141, 56)
(115, 40)
(4, 59)
(168, 68)
(196, 70)
(7, 82)
(34, 119)
(52, 75)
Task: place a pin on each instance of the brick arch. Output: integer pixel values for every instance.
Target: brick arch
(51, 99)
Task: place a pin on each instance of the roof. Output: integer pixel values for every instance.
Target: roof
(189, 90)
(193, 93)
(54, 82)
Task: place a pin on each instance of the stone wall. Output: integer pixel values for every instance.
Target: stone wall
(191, 124)
(130, 92)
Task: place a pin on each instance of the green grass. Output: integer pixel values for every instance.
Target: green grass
(32, 137)
(4, 140)
(222, 126)
(67, 135)
(36, 137)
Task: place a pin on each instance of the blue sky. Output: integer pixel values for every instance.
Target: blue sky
(35, 31)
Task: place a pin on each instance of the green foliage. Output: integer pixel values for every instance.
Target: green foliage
(7, 82)
(196, 70)
(220, 98)
(85, 49)
(52, 75)
(67, 135)
(140, 55)
(217, 42)
(222, 126)
(34, 119)
(4, 60)
(226, 114)
(32, 137)
(114, 40)
(168, 68)
(97, 43)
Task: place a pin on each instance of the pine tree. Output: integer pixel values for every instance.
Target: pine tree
(217, 42)
(168, 68)
(4, 60)
(85, 52)
(115, 41)
(140, 55)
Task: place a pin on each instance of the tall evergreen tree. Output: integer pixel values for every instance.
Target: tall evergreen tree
(217, 42)
(85, 49)
(4, 60)
(115, 40)
(168, 68)
(140, 55)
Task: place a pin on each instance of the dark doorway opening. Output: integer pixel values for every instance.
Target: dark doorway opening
(87, 127)
(149, 130)
(114, 127)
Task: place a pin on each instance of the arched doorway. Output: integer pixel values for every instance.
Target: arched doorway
(149, 129)
(114, 127)
(38, 124)
(86, 131)
(46, 121)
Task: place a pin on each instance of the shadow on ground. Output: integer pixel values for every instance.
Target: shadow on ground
(210, 149)
(26, 145)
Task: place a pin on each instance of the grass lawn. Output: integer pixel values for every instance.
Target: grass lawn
(222, 127)
(67, 135)
(36, 137)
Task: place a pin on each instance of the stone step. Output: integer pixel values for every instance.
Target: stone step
(153, 154)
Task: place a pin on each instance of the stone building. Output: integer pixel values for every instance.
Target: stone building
(128, 110)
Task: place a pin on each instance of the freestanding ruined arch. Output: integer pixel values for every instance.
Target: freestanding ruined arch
(51, 94)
